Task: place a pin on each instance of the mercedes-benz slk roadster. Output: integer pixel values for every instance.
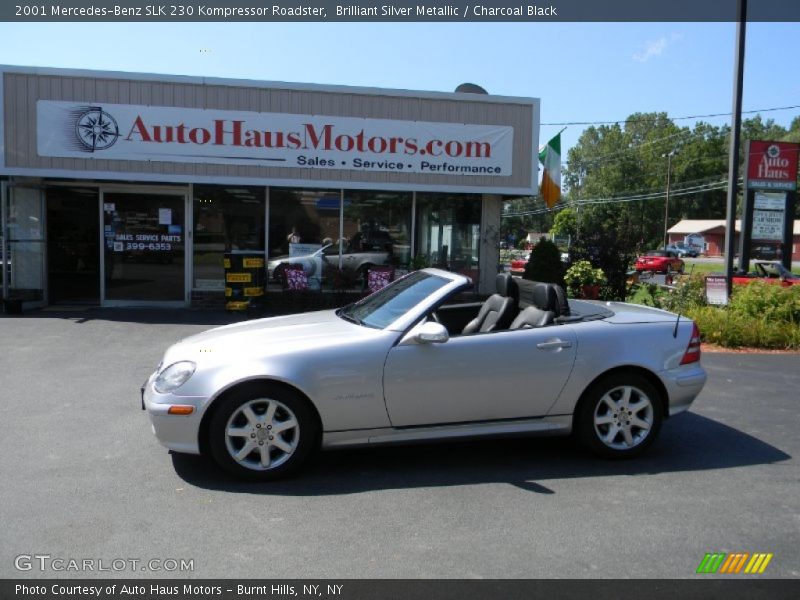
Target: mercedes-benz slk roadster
(408, 364)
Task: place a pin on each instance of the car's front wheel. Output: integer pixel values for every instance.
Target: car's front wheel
(620, 416)
(262, 433)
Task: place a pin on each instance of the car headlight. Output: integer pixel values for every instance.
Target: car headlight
(174, 376)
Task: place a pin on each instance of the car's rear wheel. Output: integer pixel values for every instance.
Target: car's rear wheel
(263, 434)
(620, 416)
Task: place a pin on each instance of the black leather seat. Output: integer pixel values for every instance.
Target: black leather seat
(543, 310)
(526, 287)
(499, 309)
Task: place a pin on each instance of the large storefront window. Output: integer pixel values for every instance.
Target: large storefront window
(378, 223)
(448, 232)
(226, 219)
(302, 217)
(305, 228)
(24, 244)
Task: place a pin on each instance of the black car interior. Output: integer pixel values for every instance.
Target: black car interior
(517, 304)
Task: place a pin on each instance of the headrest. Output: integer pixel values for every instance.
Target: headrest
(507, 287)
(544, 297)
(550, 297)
(563, 303)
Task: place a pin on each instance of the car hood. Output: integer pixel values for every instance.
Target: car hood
(287, 257)
(263, 337)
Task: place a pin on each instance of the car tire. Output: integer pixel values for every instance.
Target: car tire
(620, 416)
(262, 433)
(681, 269)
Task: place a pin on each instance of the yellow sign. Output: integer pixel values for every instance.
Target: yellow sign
(239, 277)
(252, 263)
(253, 291)
(237, 305)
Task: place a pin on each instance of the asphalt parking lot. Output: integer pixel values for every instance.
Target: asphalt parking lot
(83, 477)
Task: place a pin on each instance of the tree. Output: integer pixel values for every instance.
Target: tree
(544, 263)
(565, 223)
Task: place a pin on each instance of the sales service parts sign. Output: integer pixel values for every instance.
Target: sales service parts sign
(157, 133)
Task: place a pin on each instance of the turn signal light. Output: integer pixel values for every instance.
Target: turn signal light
(180, 409)
(692, 353)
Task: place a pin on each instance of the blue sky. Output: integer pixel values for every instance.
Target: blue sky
(581, 71)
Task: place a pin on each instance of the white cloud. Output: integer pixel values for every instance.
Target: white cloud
(655, 47)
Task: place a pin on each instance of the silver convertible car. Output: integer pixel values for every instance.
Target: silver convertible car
(407, 364)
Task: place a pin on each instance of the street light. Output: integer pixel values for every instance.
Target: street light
(668, 156)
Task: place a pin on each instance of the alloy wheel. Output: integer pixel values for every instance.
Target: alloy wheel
(262, 434)
(623, 418)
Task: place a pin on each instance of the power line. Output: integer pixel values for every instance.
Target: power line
(709, 187)
(651, 119)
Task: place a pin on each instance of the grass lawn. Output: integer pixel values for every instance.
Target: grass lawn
(714, 267)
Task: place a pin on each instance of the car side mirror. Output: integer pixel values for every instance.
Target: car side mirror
(429, 332)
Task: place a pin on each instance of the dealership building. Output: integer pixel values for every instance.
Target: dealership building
(123, 189)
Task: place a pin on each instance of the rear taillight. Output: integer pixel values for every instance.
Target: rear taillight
(692, 353)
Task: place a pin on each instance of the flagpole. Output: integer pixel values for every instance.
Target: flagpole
(556, 135)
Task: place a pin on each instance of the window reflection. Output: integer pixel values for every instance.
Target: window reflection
(448, 232)
(226, 219)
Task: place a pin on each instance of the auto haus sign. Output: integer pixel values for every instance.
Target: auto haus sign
(772, 165)
(157, 133)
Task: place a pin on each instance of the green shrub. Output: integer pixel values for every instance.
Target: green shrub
(732, 329)
(759, 315)
(689, 292)
(763, 300)
(580, 274)
(545, 264)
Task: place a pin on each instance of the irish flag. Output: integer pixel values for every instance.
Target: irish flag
(550, 157)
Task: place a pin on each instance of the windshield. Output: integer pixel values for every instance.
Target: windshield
(389, 304)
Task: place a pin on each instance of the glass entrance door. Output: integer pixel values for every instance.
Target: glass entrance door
(73, 242)
(144, 240)
(23, 246)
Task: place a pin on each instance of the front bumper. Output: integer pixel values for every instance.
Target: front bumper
(176, 432)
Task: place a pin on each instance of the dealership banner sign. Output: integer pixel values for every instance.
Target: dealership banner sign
(772, 165)
(158, 133)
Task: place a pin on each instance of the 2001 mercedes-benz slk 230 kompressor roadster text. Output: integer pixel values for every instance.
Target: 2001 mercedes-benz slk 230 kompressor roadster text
(407, 365)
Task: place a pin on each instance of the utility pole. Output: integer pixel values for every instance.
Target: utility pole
(733, 157)
(668, 156)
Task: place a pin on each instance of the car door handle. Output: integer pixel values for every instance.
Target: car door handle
(551, 344)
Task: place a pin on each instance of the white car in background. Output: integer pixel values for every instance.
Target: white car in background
(328, 257)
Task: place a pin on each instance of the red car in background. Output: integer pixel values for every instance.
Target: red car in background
(660, 261)
(768, 271)
(518, 266)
